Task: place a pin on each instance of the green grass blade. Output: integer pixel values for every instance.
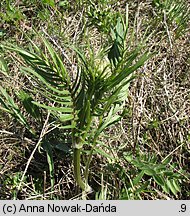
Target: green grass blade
(128, 71)
(47, 147)
(66, 117)
(31, 71)
(59, 109)
(30, 107)
(3, 66)
(13, 109)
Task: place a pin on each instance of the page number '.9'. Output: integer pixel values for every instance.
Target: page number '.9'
(183, 208)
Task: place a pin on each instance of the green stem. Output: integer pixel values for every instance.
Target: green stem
(88, 165)
(77, 173)
(89, 159)
(78, 145)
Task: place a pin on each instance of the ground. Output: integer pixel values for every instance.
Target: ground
(144, 155)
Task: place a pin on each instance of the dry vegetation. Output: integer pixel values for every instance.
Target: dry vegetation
(155, 123)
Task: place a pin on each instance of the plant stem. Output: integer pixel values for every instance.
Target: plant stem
(89, 159)
(88, 165)
(78, 142)
(77, 173)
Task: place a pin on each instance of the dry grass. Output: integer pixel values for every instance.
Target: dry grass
(157, 120)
